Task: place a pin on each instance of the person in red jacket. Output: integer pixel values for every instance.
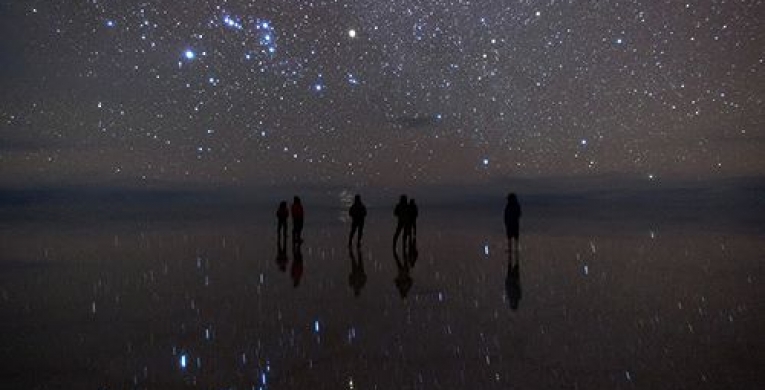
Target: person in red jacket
(297, 220)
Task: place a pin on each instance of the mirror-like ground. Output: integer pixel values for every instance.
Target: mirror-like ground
(210, 303)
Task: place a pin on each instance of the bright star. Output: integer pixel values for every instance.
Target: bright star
(189, 54)
(352, 33)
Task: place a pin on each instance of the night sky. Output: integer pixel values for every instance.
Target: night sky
(375, 92)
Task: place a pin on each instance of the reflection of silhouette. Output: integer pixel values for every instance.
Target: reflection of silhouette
(357, 278)
(512, 217)
(297, 264)
(513, 280)
(403, 280)
(357, 212)
(402, 218)
(281, 254)
(281, 226)
(297, 220)
(410, 255)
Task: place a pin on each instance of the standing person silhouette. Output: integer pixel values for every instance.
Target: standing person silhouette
(413, 214)
(357, 212)
(297, 220)
(402, 215)
(282, 213)
(512, 217)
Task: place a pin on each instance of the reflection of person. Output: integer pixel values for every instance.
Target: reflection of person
(297, 220)
(357, 278)
(403, 280)
(402, 217)
(281, 255)
(297, 264)
(513, 283)
(413, 213)
(411, 254)
(282, 213)
(512, 217)
(357, 212)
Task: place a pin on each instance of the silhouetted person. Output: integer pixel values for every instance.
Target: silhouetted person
(297, 264)
(357, 278)
(403, 280)
(402, 217)
(513, 282)
(297, 220)
(357, 212)
(512, 217)
(281, 254)
(282, 213)
(412, 219)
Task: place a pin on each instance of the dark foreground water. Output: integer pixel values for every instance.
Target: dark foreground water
(144, 303)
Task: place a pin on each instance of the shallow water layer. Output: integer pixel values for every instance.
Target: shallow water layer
(212, 304)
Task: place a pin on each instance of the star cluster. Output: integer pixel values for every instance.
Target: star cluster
(387, 92)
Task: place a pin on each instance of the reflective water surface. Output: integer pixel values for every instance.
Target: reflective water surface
(217, 303)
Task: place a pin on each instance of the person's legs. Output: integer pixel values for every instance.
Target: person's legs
(361, 233)
(399, 227)
(297, 230)
(281, 230)
(354, 226)
(407, 233)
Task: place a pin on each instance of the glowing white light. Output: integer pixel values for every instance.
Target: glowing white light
(352, 33)
(486, 249)
(189, 54)
(485, 161)
(316, 326)
(110, 23)
(183, 361)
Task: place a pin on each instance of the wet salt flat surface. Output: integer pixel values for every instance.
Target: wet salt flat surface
(204, 304)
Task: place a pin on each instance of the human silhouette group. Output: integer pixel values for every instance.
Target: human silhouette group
(406, 213)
